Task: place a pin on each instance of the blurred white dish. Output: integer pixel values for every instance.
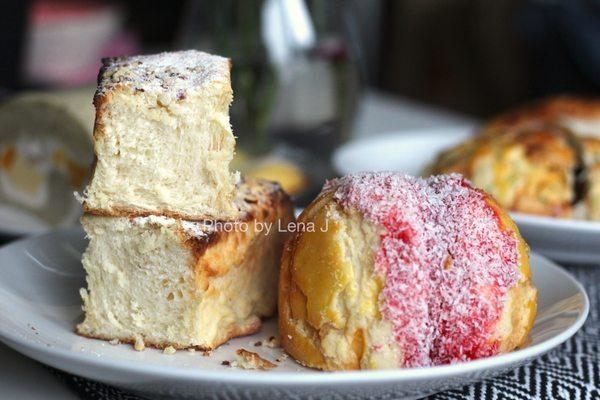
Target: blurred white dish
(46, 151)
(40, 305)
(565, 240)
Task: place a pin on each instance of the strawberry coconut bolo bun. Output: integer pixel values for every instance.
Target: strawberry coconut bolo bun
(393, 271)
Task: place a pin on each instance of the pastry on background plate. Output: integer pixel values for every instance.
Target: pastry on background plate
(530, 170)
(580, 115)
(590, 149)
(542, 158)
(397, 272)
(162, 137)
(161, 282)
(45, 155)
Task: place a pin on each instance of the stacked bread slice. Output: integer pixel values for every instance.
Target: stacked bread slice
(182, 252)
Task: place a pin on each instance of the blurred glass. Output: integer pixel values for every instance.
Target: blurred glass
(295, 73)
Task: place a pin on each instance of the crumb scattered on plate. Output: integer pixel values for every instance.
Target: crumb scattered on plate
(169, 350)
(139, 344)
(272, 342)
(248, 360)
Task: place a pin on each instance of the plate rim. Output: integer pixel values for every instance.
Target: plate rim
(259, 378)
(356, 143)
(543, 221)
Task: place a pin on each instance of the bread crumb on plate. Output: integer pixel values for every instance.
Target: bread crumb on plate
(139, 344)
(248, 360)
(272, 342)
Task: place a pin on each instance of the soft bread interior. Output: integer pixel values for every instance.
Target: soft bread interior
(140, 280)
(177, 283)
(170, 158)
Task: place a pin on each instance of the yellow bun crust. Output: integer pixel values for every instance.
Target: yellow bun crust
(319, 287)
(331, 293)
(521, 303)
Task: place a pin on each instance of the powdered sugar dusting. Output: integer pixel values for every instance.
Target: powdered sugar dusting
(153, 220)
(171, 74)
(192, 228)
(447, 262)
(196, 229)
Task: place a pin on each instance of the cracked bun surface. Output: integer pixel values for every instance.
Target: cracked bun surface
(394, 271)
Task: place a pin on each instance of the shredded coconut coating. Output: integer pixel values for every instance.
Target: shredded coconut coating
(447, 259)
(170, 74)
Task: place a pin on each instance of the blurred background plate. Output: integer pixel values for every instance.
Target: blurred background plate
(45, 155)
(405, 151)
(40, 305)
(565, 240)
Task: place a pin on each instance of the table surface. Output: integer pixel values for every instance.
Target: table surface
(24, 379)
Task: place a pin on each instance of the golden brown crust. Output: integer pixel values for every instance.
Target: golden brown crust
(116, 211)
(271, 193)
(299, 339)
(263, 201)
(219, 251)
(100, 101)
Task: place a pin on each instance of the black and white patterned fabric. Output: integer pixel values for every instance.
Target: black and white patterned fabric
(569, 372)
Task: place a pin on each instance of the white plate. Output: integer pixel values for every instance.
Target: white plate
(40, 305)
(564, 240)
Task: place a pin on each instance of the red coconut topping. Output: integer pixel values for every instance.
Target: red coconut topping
(448, 264)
